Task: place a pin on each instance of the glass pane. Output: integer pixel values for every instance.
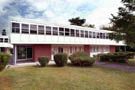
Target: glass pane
(55, 31)
(25, 28)
(40, 29)
(21, 53)
(48, 30)
(29, 52)
(61, 31)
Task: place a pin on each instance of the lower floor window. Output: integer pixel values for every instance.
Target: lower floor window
(24, 52)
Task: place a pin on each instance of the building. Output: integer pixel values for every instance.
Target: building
(32, 39)
(5, 46)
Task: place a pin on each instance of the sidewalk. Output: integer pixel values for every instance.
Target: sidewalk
(123, 67)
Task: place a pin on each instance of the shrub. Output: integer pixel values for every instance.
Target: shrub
(120, 57)
(81, 59)
(60, 59)
(4, 59)
(131, 62)
(43, 61)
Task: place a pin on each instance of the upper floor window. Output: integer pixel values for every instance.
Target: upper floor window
(94, 35)
(98, 35)
(90, 34)
(61, 31)
(48, 30)
(6, 40)
(77, 33)
(33, 29)
(15, 27)
(1, 39)
(107, 35)
(82, 33)
(72, 32)
(103, 35)
(67, 32)
(86, 34)
(55, 31)
(40, 29)
(25, 28)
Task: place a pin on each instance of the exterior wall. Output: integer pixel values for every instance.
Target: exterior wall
(112, 49)
(41, 50)
(50, 39)
(87, 49)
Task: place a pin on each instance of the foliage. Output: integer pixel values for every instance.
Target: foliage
(131, 62)
(81, 59)
(120, 57)
(4, 59)
(43, 61)
(124, 23)
(60, 59)
(77, 21)
(89, 25)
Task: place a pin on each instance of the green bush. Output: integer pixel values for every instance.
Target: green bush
(120, 57)
(60, 59)
(4, 59)
(43, 61)
(131, 62)
(81, 59)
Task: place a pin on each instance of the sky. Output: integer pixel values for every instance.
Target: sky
(95, 12)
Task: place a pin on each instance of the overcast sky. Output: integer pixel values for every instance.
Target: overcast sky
(59, 11)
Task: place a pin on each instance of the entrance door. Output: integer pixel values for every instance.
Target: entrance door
(24, 53)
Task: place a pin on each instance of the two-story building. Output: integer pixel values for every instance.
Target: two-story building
(32, 39)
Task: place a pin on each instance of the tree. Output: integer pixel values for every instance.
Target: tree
(89, 25)
(123, 24)
(77, 21)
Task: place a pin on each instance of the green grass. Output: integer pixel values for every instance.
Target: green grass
(66, 78)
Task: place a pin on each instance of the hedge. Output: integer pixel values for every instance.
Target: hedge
(81, 59)
(4, 59)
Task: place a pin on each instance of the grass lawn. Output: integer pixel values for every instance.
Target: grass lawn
(66, 78)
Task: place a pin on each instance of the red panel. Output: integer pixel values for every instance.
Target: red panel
(112, 49)
(87, 49)
(41, 50)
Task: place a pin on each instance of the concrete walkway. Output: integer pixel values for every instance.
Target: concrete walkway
(123, 67)
(27, 64)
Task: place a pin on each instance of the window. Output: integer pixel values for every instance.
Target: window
(66, 32)
(72, 32)
(90, 34)
(82, 33)
(48, 30)
(6, 40)
(60, 50)
(25, 28)
(33, 29)
(40, 29)
(15, 27)
(98, 35)
(77, 33)
(107, 35)
(55, 31)
(24, 52)
(1, 39)
(86, 34)
(94, 35)
(61, 31)
(2, 49)
(103, 35)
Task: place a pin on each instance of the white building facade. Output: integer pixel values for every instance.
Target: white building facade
(31, 40)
